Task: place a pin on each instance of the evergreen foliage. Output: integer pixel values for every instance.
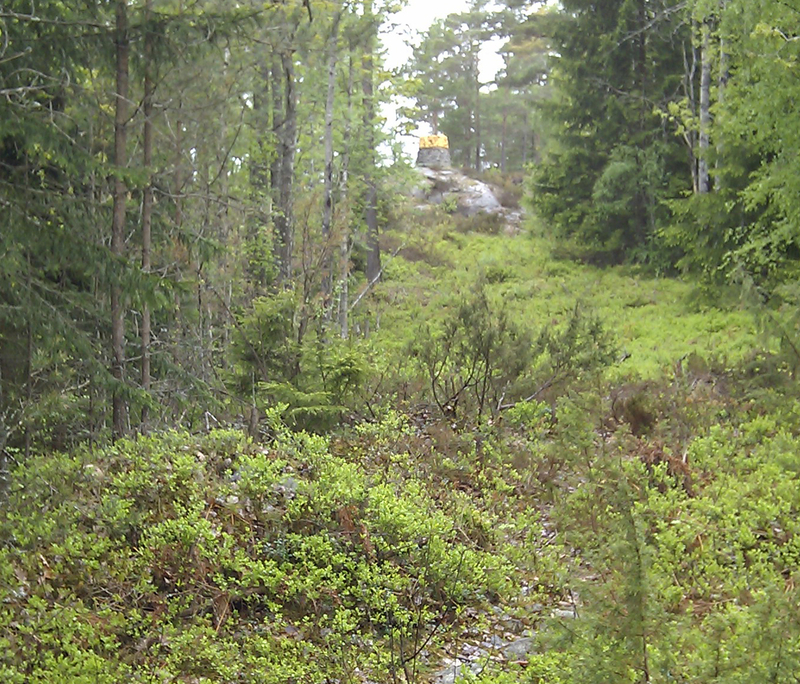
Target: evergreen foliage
(465, 439)
(611, 165)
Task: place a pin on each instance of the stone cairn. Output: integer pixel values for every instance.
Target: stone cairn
(434, 152)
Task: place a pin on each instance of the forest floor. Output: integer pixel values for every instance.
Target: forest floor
(622, 506)
(656, 321)
(684, 363)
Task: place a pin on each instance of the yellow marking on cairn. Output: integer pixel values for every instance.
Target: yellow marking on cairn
(429, 141)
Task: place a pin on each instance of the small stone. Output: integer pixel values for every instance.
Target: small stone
(494, 642)
(287, 487)
(472, 652)
(512, 624)
(449, 674)
(519, 648)
(93, 471)
(564, 613)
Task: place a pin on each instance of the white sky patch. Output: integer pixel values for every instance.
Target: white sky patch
(416, 17)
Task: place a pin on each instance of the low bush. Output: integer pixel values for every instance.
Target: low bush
(215, 558)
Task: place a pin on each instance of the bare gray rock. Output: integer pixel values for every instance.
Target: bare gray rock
(519, 648)
(470, 196)
(456, 671)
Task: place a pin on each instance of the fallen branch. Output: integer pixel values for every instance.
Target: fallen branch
(374, 280)
(547, 385)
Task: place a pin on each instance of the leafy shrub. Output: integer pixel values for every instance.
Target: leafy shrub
(581, 346)
(313, 378)
(670, 577)
(483, 222)
(213, 558)
(473, 357)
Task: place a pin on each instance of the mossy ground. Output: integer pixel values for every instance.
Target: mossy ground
(657, 321)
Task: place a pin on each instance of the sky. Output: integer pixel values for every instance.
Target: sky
(418, 15)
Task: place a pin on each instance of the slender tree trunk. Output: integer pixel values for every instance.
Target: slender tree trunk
(285, 123)
(690, 136)
(703, 185)
(263, 167)
(5, 479)
(371, 193)
(224, 222)
(373, 244)
(28, 370)
(503, 141)
(525, 142)
(179, 154)
(289, 145)
(327, 207)
(641, 67)
(643, 205)
(722, 85)
(277, 120)
(344, 244)
(477, 113)
(344, 285)
(119, 404)
(147, 202)
(178, 175)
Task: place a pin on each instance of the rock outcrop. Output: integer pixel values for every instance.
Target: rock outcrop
(442, 185)
(467, 195)
(463, 195)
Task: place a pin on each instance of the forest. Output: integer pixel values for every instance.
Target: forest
(273, 410)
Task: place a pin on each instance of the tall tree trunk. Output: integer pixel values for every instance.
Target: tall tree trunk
(344, 285)
(703, 185)
(147, 201)
(5, 478)
(643, 205)
(344, 243)
(722, 85)
(119, 404)
(690, 136)
(371, 192)
(503, 143)
(261, 172)
(327, 207)
(285, 124)
(525, 142)
(224, 221)
(28, 369)
(477, 112)
(642, 63)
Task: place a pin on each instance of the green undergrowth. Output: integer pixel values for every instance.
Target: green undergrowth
(586, 463)
(685, 551)
(667, 476)
(216, 559)
(664, 519)
(656, 321)
(631, 537)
